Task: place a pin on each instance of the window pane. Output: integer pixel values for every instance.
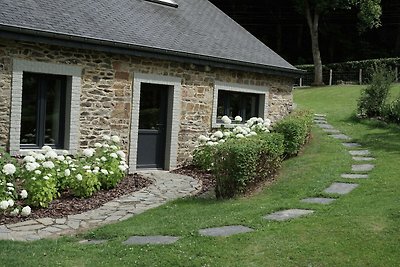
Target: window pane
(235, 104)
(54, 93)
(29, 109)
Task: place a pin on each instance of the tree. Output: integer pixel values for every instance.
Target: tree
(369, 15)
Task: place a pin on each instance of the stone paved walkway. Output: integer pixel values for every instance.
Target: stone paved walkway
(166, 186)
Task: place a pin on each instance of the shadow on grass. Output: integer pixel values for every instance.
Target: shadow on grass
(379, 135)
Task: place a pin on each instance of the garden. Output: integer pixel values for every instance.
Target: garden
(356, 230)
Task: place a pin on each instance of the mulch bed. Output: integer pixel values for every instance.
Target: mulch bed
(70, 205)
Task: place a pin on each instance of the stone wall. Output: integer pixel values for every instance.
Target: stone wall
(107, 90)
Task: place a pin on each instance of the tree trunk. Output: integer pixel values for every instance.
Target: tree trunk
(312, 22)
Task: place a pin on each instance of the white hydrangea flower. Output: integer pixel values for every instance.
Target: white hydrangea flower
(64, 152)
(38, 172)
(221, 141)
(106, 137)
(32, 153)
(86, 167)
(267, 123)
(26, 211)
(10, 184)
(96, 168)
(10, 188)
(48, 164)
(115, 139)
(98, 145)
(95, 171)
(61, 158)
(9, 169)
(31, 166)
(46, 177)
(104, 171)
(203, 138)
(29, 159)
(33, 178)
(121, 154)
(226, 120)
(238, 119)
(114, 147)
(122, 168)
(218, 134)
(111, 172)
(40, 157)
(253, 133)
(23, 194)
(89, 171)
(67, 172)
(103, 158)
(46, 148)
(4, 204)
(239, 135)
(10, 203)
(15, 212)
(227, 133)
(79, 177)
(51, 154)
(88, 152)
(114, 155)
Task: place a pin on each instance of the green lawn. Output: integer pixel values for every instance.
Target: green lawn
(359, 229)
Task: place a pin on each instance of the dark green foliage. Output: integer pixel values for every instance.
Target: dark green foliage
(295, 128)
(373, 98)
(203, 157)
(392, 111)
(238, 164)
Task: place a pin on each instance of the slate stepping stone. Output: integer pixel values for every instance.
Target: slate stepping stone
(351, 144)
(354, 176)
(362, 167)
(151, 240)
(318, 200)
(320, 121)
(325, 126)
(359, 152)
(340, 188)
(92, 241)
(363, 158)
(340, 136)
(284, 215)
(331, 131)
(225, 230)
(319, 115)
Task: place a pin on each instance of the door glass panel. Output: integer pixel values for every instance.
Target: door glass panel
(150, 106)
(53, 112)
(29, 109)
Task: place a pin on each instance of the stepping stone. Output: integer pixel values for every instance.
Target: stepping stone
(363, 158)
(151, 240)
(340, 136)
(354, 176)
(340, 188)
(331, 131)
(318, 200)
(225, 230)
(359, 152)
(319, 115)
(362, 167)
(284, 215)
(325, 126)
(351, 144)
(320, 121)
(92, 241)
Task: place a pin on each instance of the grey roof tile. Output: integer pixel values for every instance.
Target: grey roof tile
(195, 27)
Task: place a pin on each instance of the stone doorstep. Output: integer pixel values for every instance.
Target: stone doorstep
(340, 188)
(284, 215)
(362, 167)
(225, 230)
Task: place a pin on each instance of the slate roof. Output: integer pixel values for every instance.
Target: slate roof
(195, 28)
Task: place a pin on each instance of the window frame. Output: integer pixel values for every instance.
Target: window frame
(72, 110)
(261, 91)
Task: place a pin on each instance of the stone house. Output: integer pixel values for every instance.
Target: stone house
(155, 72)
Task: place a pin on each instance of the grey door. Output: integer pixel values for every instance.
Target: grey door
(152, 126)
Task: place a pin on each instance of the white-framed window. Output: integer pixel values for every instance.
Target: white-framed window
(45, 106)
(233, 100)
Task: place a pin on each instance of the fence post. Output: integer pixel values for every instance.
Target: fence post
(330, 77)
(301, 82)
(360, 77)
(396, 73)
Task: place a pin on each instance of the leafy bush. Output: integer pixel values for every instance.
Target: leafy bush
(83, 182)
(203, 157)
(392, 111)
(240, 164)
(373, 98)
(295, 128)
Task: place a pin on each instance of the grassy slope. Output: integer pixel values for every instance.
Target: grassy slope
(360, 229)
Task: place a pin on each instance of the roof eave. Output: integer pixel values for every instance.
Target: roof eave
(25, 34)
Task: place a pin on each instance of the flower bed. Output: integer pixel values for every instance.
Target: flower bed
(40, 177)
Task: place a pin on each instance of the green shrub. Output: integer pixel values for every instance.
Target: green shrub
(42, 189)
(373, 98)
(392, 111)
(203, 157)
(83, 183)
(295, 128)
(239, 164)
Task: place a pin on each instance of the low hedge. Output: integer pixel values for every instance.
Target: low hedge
(240, 164)
(295, 128)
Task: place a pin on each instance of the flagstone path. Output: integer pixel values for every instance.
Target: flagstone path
(168, 186)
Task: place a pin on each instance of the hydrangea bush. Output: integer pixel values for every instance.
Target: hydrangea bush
(42, 176)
